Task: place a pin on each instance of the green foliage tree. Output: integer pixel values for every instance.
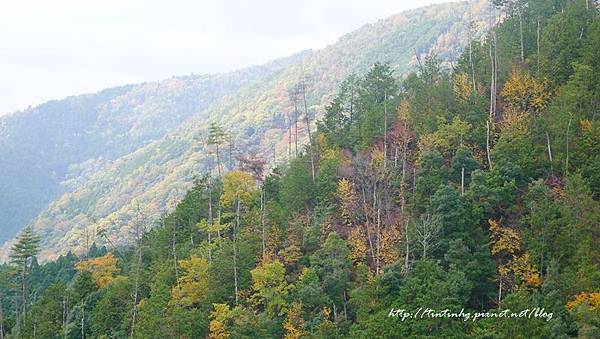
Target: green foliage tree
(332, 265)
(271, 289)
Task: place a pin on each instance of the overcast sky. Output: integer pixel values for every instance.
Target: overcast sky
(52, 49)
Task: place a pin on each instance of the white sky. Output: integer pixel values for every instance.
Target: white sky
(52, 49)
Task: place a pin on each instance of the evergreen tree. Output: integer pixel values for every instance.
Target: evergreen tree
(23, 256)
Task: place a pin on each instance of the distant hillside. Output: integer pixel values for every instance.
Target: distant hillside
(53, 148)
(102, 155)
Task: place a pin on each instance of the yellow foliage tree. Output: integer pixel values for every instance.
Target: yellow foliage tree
(237, 186)
(591, 300)
(294, 324)
(348, 200)
(504, 239)
(357, 241)
(103, 269)
(403, 111)
(447, 137)
(522, 269)
(524, 92)
(390, 239)
(270, 286)
(514, 124)
(193, 282)
(514, 266)
(218, 318)
(462, 86)
(217, 330)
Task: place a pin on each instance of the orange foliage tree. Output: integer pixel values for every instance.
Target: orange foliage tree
(103, 269)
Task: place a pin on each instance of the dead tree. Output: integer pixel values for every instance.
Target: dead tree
(427, 230)
(300, 94)
(293, 95)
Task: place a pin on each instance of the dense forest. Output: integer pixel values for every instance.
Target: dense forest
(474, 190)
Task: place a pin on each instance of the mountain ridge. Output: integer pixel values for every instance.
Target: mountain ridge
(157, 173)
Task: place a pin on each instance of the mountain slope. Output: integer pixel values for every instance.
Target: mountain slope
(51, 149)
(253, 110)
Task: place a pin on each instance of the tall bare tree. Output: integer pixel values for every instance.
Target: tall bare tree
(300, 94)
(427, 230)
(140, 225)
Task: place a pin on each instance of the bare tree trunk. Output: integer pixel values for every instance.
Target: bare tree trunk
(230, 152)
(25, 290)
(310, 144)
(218, 161)
(495, 73)
(567, 159)
(538, 48)
(376, 218)
(218, 218)
(472, 67)
(418, 60)
(351, 102)
(385, 118)
(500, 291)
(87, 242)
(296, 128)
(235, 230)
(192, 229)
(403, 201)
(492, 85)
(334, 312)
(407, 243)
(1, 319)
(262, 221)
(136, 293)
(174, 253)
(289, 128)
(378, 239)
(471, 53)
(65, 313)
(367, 223)
(140, 228)
(462, 181)
(414, 179)
(345, 306)
(210, 219)
(487, 144)
(549, 152)
(521, 36)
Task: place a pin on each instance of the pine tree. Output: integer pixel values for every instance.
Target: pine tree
(216, 137)
(22, 255)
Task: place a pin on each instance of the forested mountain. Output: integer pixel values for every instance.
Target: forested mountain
(140, 146)
(55, 147)
(469, 195)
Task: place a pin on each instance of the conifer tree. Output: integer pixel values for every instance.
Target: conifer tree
(22, 255)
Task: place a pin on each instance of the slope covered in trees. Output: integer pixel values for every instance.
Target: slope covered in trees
(470, 190)
(142, 145)
(56, 147)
